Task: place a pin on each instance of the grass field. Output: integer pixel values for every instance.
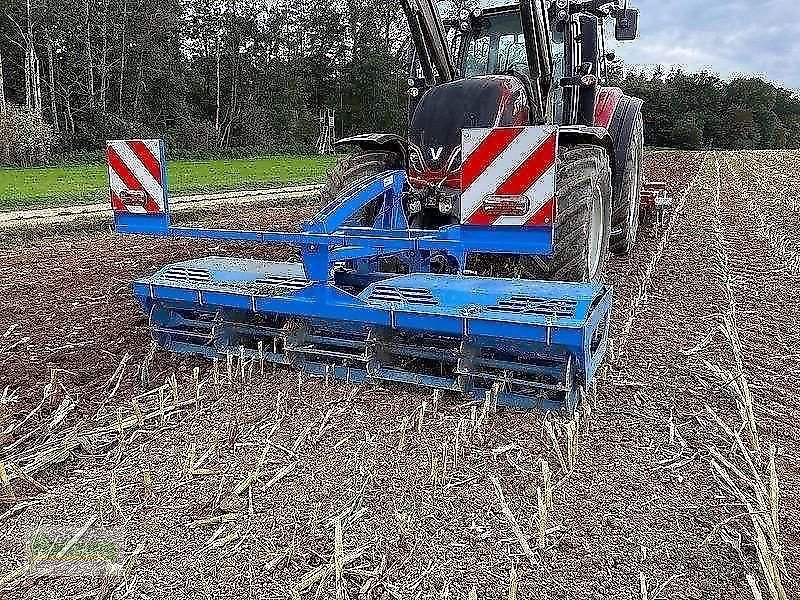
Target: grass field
(42, 187)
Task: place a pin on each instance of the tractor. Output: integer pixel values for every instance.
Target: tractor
(529, 63)
(466, 256)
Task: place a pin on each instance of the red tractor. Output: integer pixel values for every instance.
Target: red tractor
(505, 65)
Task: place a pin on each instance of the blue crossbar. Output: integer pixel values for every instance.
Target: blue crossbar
(331, 228)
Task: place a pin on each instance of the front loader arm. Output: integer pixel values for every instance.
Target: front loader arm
(536, 29)
(430, 41)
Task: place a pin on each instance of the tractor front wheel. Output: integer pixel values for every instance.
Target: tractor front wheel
(356, 168)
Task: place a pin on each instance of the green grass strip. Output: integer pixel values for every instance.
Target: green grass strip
(59, 186)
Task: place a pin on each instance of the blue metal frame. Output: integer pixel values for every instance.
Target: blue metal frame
(330, 236)
(362, 324)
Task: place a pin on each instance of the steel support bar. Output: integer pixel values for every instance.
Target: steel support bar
(330, 236)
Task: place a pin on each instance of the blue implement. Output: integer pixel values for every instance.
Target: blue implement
(450, 332)
(342, 313)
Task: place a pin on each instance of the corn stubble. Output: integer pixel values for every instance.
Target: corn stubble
(425, 464)
(739, 468)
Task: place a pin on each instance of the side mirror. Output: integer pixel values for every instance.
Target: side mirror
(627, 28)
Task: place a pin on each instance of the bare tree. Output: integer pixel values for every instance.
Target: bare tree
(89, 65)
(69, 121)
(33, 91)
(52, 82)
(2, 88)
(219, 36)
(29, 60)
(37, 83)
(25, 48)
(35, 79)
(139, 79)
(122, 55)
(104, 59)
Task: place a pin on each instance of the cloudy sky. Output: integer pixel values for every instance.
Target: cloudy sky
(726, 36)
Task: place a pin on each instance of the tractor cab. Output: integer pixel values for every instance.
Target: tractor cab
(483, 79)
(491, 45)
(492, 42)
(504, 64)
(556, 48)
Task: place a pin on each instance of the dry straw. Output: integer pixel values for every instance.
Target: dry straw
(512, 521)
(50, 443)
(738, 473)
(513, 584)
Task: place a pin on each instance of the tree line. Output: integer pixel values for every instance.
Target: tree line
(207, 75)
(244, 76)
(701, 110)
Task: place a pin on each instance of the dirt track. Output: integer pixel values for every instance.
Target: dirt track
(414, 485)
(264, 197)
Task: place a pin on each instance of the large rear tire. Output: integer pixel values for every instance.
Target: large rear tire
(625, 214)
(583, 218)
(356, 168)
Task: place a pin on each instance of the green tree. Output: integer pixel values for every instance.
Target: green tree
(687, 134)
(216, 74)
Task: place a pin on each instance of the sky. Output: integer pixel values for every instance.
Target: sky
(725, 36)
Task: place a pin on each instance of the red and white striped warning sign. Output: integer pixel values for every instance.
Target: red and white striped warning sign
(508, 176)
(136, 176)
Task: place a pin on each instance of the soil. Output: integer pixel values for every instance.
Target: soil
(238, 487)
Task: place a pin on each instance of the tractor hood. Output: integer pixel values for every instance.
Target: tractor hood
(444, 110)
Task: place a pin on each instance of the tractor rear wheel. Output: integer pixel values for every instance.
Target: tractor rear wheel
(625, 214)
(583, 218)
(356, 168)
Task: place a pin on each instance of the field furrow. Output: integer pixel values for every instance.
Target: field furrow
(239, 480)
(765, 286)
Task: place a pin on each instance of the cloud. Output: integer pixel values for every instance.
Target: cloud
(729, 37)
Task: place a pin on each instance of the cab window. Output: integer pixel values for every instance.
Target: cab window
(491, 48)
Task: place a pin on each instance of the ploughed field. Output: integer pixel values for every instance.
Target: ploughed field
(678, 478)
